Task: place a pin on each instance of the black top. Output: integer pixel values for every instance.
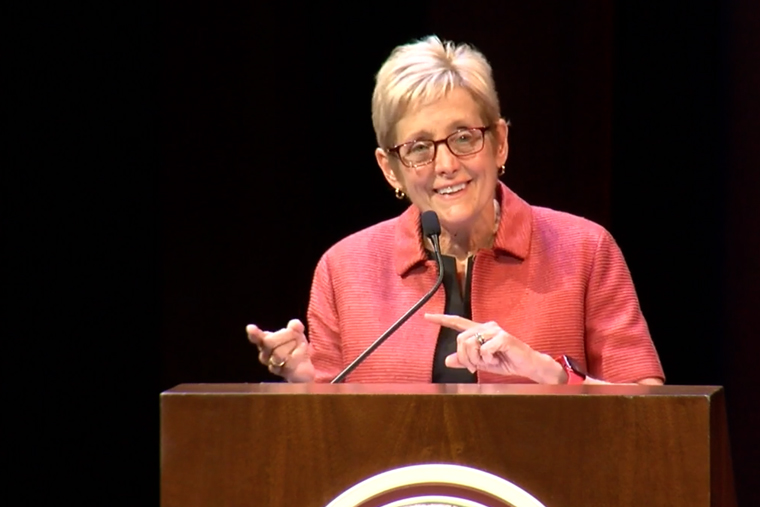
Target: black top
(456, 304)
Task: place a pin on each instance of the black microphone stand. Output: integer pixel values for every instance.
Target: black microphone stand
(434, 238)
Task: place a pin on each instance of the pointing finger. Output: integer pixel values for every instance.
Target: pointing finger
(255, 335)
(297, 326)
(452, 321)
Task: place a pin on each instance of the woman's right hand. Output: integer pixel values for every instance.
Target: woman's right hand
(284, 352)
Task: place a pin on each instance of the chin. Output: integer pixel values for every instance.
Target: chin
(453, 221)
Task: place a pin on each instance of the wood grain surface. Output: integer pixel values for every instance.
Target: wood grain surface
(281, 445)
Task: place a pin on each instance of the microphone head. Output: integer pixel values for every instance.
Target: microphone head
(430, 224)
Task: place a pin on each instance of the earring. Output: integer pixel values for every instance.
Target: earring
(502, 170)
(400, 194)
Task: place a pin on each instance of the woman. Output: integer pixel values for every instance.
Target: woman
(526, 288)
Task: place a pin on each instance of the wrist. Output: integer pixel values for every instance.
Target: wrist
(574, 372)
(549, 371)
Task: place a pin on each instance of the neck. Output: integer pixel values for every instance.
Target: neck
(466, 240)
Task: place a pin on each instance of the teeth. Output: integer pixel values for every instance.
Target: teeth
(451, 190)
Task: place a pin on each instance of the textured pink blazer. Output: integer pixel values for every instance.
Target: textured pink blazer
(556, 281)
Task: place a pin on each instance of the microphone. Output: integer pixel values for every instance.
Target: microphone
(431, 228)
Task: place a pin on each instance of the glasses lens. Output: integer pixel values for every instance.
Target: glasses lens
(465, 142)
(462, 142)
(418, 152)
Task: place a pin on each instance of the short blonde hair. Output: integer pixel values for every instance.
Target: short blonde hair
(424, 71)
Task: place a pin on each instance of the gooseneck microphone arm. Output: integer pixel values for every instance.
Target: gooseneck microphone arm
(431, 228)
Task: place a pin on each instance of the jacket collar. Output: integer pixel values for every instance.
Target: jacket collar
(512, 237)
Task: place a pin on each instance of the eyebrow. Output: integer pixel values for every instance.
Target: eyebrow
(452, 127)
(419, 134)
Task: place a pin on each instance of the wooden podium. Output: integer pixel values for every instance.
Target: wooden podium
(301, 445)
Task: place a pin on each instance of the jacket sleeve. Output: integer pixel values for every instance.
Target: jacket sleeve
(619, 347)
(324, 325)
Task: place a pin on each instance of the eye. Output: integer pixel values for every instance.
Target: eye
(463, 137)
(418, 147)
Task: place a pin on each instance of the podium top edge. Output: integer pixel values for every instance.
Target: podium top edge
(440, 389)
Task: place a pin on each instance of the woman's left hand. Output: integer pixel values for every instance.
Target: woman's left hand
(487, 347)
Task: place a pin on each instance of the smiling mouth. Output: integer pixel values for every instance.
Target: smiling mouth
(453, 189)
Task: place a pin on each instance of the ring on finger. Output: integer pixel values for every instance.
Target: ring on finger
(279, 364)
(481, 340)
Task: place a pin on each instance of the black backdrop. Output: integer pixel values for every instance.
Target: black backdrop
(196, 158)
(268, 155)
(635, 115)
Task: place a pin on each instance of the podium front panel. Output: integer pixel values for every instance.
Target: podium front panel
(281, 445)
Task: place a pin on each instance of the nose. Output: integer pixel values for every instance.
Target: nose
(445, 161)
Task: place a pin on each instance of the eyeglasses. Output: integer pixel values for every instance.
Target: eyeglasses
(463, 142)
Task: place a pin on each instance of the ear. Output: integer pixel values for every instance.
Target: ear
(501, 136)
(387, 167)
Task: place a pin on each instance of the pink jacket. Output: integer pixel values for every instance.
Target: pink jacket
(555, 281)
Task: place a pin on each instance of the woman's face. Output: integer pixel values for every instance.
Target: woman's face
(460, 189)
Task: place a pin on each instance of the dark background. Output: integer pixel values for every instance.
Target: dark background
(189, 162)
